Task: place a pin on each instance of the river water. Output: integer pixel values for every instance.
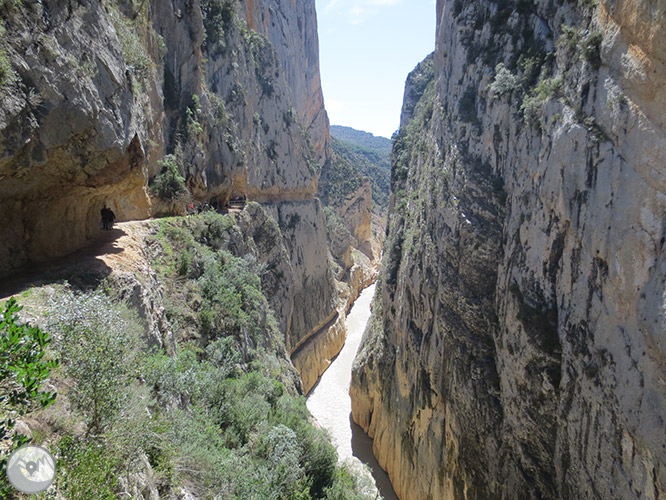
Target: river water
(330, 404)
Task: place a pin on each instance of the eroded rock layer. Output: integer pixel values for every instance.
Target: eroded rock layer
(516, 349)
(95, 94)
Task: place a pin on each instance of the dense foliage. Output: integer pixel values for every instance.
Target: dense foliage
(218, 16)
(169, 184)
(23, 369)
(219, 415)
(98, 343)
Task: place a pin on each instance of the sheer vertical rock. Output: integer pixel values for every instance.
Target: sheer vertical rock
(516, 346)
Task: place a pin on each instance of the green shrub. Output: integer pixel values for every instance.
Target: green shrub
(218, 17)
(23, 368)
(533, 103)
(281, 449)
(568, 40)
(169, 185)
(504, 82)
(193, 127)
(136, 57)
(86, 469)
(7, 74)
(345, 486)
(592, 49)
(98, 343)
(318, 455)
(289, 117)
(533, 65)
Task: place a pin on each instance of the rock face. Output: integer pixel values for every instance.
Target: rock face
(516, 349)
(97, 94)
(355, 209)
(291, 27)
(72, 131)
(349, 195)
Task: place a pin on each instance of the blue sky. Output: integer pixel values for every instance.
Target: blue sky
(366, 50)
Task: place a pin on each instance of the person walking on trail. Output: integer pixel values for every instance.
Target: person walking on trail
(107, 218)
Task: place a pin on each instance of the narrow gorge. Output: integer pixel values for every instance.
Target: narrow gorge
(516, 348)
(97, 94)
(157, 110)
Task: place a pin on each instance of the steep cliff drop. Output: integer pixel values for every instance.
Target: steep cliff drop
(516, 348)
(99, 101)
(330, 405)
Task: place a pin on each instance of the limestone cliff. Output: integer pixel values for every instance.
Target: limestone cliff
(349, 195)
(516, 349)
(94, 94)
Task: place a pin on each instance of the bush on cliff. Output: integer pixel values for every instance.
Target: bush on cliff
(218, 16)
(23, 368)
(169, 185)
(98, 344)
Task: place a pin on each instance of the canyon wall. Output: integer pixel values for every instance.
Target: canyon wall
(516, 348)
(94, 95)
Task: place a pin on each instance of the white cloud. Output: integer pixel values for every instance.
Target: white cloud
(358, 11)
(333, 105)
(357, 14)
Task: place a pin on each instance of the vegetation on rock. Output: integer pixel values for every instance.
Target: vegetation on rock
(363, 140)
(339, 179)
(220, 415)
(371, 163)
(24, 367)
(169, 185)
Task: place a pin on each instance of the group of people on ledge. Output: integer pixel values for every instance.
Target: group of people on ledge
(237, 202)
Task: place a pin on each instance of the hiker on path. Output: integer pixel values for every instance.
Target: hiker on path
(107, 218)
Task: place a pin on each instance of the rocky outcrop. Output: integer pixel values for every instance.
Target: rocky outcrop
(315, 353)
(370, 156)
(516, 345)
(304, 237)
(88, 112)
(349, 194)
(362, 274)
(356, 210)
(291, 27)
(72, 130)
(97, 94)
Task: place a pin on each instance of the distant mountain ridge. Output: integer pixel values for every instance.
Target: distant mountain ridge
(367, 154)
(362, 139)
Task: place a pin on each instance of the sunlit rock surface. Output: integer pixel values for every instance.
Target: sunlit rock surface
(100, 93)
(516, 349)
